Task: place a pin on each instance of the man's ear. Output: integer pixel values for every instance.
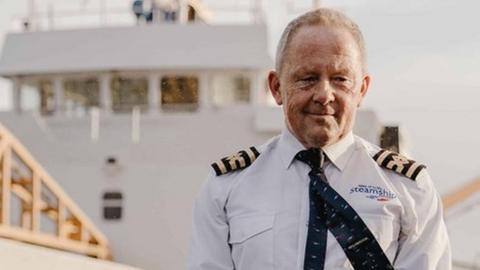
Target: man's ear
(364, 88)
(274, 85)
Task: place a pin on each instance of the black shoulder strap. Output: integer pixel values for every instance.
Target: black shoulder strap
(398, 163)
(237, 161)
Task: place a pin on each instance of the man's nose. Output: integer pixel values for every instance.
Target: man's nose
(323, 92)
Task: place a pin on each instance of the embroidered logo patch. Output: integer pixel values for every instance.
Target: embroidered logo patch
(374, 192)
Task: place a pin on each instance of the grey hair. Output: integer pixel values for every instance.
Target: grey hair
(321, 17)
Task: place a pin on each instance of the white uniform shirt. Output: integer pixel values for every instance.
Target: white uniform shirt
(256, 218)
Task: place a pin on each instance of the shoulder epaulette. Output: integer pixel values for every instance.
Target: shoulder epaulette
(398, 163)
(237, 161)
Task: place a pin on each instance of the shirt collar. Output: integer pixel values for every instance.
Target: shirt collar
(337, 153)
(289, 147)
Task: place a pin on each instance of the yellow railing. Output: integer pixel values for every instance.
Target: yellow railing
(35, 209)
(460, 195)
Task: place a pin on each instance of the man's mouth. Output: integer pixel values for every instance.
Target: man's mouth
(319, 114)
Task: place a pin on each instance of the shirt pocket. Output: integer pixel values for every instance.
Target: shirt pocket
(251, 241)
(386, 230)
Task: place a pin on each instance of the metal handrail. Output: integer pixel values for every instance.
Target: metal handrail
(49, 18)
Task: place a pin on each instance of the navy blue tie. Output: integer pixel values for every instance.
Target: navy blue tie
(329, 211)
(317, 227)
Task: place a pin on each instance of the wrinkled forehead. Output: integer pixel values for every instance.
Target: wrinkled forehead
(331, 40)
(332, 46)
(335, 63)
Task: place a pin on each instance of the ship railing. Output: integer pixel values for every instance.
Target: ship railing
(36, 210)
(49, 17)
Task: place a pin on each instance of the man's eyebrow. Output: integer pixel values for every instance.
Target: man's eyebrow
(341, 67)
(333, 69)
(302, 70)
(343, 71)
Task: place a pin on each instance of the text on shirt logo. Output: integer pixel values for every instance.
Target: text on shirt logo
(374, 192)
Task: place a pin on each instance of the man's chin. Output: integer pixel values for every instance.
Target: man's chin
(320, 138)
(315, 136)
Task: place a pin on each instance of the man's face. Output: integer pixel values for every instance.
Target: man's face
(321, 84)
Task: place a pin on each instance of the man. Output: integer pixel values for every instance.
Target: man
(317, 196)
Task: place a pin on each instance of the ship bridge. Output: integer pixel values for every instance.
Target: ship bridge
(186, 64)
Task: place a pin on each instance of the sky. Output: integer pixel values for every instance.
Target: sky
(424, 59)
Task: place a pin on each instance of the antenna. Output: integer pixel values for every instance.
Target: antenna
(29, 22)
(258, 12)
(183, 11)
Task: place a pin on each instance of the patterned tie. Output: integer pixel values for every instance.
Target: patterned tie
(317, 227)
(329, 211)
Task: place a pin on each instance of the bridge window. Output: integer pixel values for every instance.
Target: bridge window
(230, 89)
(80, 95)
(47, 99)
(179, 93)
(128, 93)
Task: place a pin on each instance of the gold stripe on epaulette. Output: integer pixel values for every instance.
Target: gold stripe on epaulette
(412, 170)
(251, 154)
(222, 167)
(237, 161)
(398, 163)
(382, 156)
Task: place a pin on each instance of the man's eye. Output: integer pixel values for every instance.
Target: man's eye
(340, 79)
(308, 79)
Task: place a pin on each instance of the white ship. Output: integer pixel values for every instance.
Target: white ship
(127, 119)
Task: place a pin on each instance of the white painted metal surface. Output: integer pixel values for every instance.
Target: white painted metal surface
(147, 47)
(21, 256)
